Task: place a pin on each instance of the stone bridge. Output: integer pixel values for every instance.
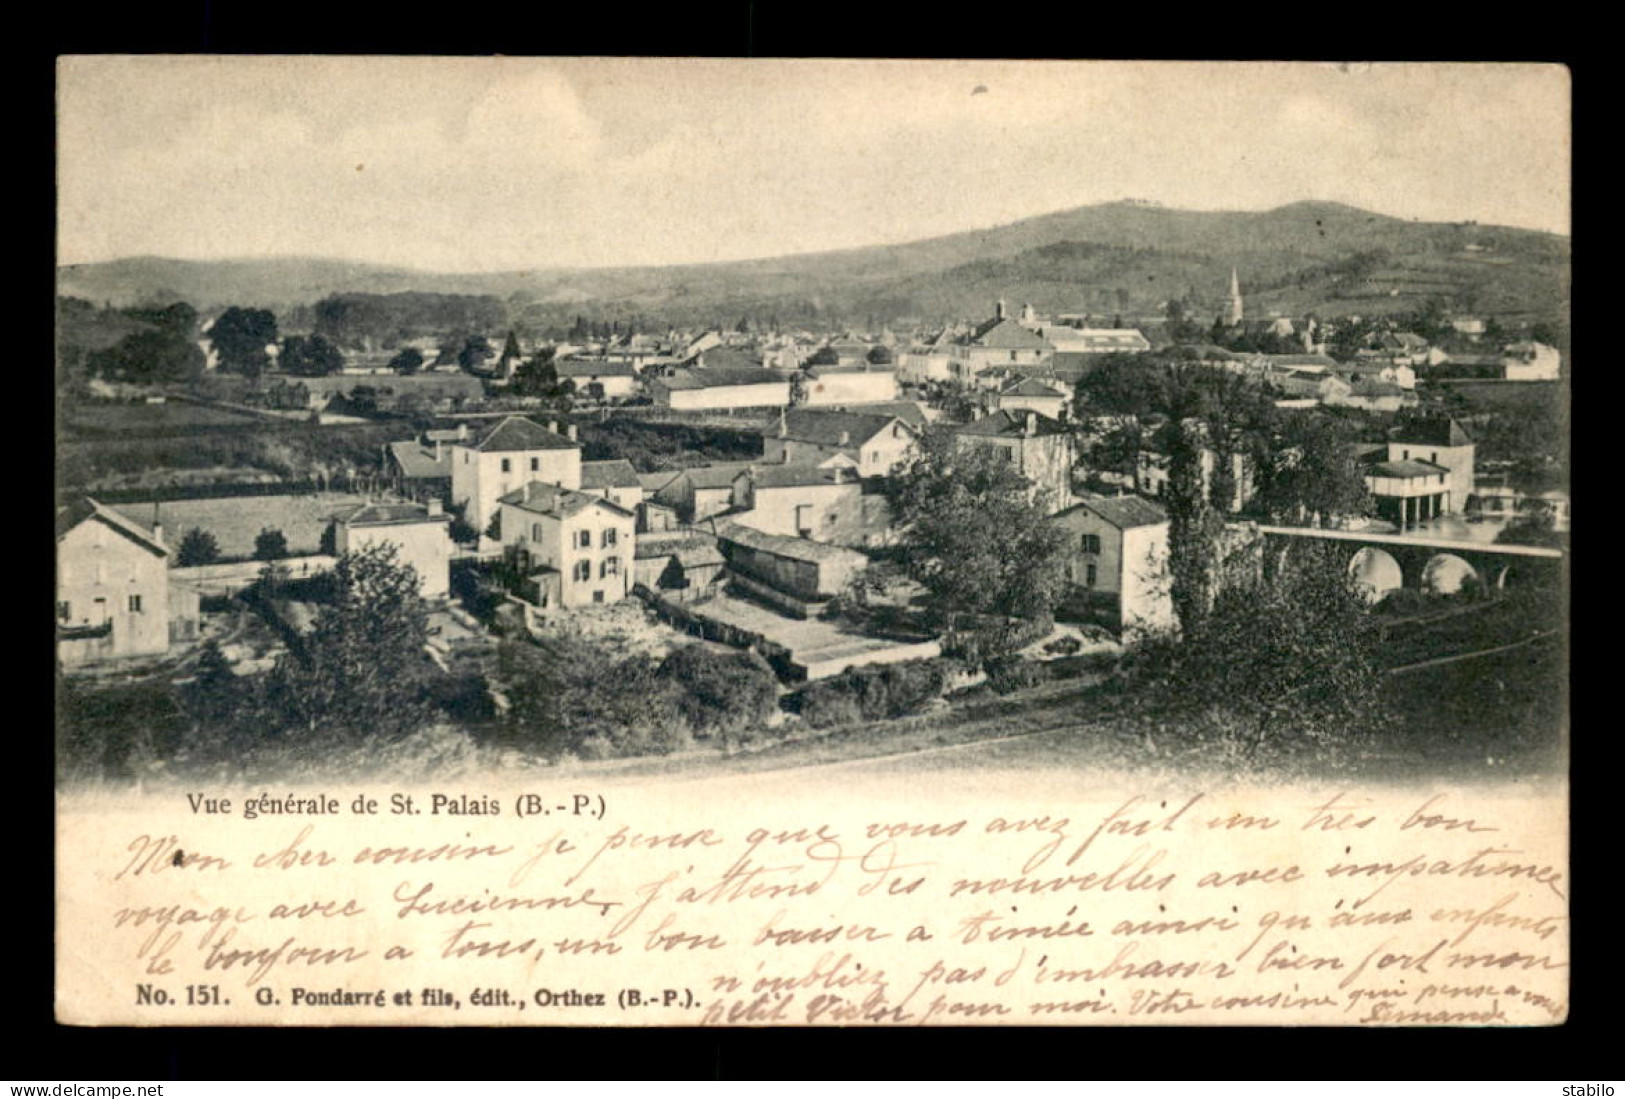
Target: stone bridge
(1383, 562)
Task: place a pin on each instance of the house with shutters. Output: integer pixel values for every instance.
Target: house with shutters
(1118, 558)
(491, 463)
(1041, 449)
(573, 548)
(999, 341)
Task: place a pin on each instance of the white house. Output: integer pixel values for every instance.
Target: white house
(1529, 361)
(1119, 550)
(574, 549)
(875, 443)
(494, 462)
(112, 586)
(420, 533)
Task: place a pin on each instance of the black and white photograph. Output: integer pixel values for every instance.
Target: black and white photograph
(767, 542)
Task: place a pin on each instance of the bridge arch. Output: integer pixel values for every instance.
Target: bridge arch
(1446, 574)
(1375, 572)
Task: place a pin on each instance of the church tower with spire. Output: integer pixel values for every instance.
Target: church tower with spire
(1235, 313)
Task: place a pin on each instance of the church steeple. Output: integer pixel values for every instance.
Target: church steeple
(1235, 313)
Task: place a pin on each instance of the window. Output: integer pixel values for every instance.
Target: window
(581, 571)
(610, 567)
(597, 597)
(135, 604)
(1012, 356)
(1089, 576)
(507, 465)
(1406, 454)
(584, 539)
(1091, 543)
(535, 464)
(536, 532)
(64, 611)
(609, 537)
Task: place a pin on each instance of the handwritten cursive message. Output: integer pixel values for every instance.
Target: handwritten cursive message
(744, 904)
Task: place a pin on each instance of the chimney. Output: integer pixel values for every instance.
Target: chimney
(553, 426)
(1032, 424)
(998, 310)
(784, 427)
(846, 439)
(840, 475)
(462, 429)
(435, 507)
(570, 431)
(157, 522)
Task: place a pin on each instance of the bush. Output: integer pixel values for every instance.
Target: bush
(1012, 674)
(724, 694)
(875, 693)
(995, 638)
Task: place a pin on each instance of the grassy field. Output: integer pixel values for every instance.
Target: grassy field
(149, 420)
(235, 521)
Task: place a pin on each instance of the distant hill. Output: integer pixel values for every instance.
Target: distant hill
(1127, 258)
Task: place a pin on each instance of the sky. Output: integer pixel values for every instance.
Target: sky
(486, 164)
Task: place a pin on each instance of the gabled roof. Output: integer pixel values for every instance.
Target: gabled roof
(654, 482)
(715, 377)
(691, 549)
(377, 515)
(1413, 467)
(1006, 334)
(416, 460)
(796, 549)
(1299, 362)
(518, 433)
(610, 473)
(1443, 431)
(716, 475)
(1004, 423)
(909, 412)
(84, 509)
(1030, 387)
(825, 427)
(560, 503)
(800, 476)
(1123, 512)
(593, 368)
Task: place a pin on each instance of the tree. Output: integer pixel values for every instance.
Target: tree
(409, 360)
(723, 694)
(240, 337)
(152, 357)
(579, 698)
(1314, 474)
(1195, 526)
(1290, 658)
(971, 535)
(311, 356)
(215, 694)
(1537, 527)
(198, 547)
(825, 356)
(329, 544)
(881, 355)
(360, 673)
(270, 545)
(476, 351)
